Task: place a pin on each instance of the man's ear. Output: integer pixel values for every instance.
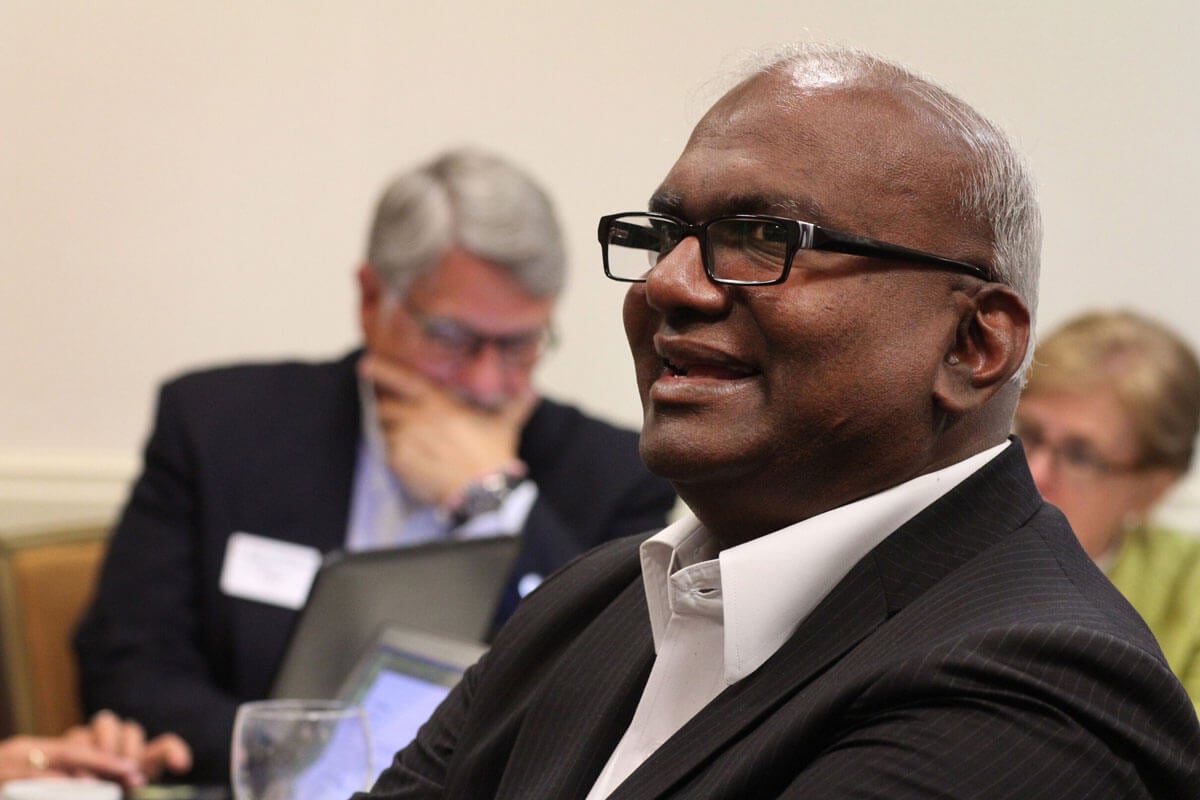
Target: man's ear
(988, 349)
(370, 299)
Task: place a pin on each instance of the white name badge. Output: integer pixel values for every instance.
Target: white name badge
(268, 570)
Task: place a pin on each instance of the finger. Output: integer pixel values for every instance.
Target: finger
(79, 760)
(106, 731)
(79, 734)
(167, 751)
(391, 411)
(394, 379)
(132, 740)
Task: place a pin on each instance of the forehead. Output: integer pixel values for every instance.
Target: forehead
(472, 290)
(869, 160)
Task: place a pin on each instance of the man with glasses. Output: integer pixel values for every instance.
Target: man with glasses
(829, 312)
(433, 432)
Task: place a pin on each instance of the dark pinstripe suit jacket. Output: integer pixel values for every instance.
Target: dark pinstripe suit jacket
(975, 653)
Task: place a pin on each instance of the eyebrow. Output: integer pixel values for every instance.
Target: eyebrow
(664, 202)
(807, 209)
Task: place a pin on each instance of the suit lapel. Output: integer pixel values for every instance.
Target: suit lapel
(306, 500)
(851, 612)
(333, 464)
(991, 503)
(978, 513)
(585, 705)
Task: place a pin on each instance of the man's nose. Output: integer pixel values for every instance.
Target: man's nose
(679, 279)
(485, 378)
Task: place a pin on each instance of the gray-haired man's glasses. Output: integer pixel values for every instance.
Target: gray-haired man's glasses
(457, 343)
(742, 249)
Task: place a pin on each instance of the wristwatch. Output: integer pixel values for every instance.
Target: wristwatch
(485, 493)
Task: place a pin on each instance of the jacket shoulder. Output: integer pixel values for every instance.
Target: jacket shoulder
(268, 403)
(258, 377)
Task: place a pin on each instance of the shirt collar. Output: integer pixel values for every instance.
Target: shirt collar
(770, 584)
(371, 430)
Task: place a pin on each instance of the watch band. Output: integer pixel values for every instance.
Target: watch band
(486, 493)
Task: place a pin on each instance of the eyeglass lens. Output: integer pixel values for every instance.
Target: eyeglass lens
(1075, 455)
(460, 343)
(735, 250)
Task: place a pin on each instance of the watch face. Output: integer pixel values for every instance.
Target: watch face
(484, 495)
(481, 499)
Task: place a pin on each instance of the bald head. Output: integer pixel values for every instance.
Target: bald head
(892, 171)
(985, 180)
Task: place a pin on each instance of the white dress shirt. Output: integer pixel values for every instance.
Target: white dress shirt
(718, 616)
(384, 514)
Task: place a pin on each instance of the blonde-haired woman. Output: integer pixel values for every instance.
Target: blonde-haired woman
(1109, 420)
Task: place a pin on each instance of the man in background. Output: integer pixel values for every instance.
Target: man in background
(830, 307)
(433, 432)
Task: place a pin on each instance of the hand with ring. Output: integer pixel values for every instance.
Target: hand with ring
(108, 747)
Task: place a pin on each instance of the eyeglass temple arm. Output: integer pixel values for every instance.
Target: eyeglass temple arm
(629, 235)
(851, 244)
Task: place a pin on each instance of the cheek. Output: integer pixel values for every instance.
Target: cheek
(517, 381)
(867, 386)
(387, 342)
(1094, 512)
(436, 371)
(641, 322)
(639, 319)
(1073, 502)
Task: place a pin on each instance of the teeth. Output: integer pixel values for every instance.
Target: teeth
(675, 370)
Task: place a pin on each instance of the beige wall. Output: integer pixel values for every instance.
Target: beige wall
(189, 182)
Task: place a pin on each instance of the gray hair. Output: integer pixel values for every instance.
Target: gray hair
(998, 190)
(474, 200)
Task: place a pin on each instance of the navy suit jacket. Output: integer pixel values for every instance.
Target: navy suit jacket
(271, 450)
(975, 653)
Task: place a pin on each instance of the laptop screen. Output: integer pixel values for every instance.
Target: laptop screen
(401, 680)
(447, 588)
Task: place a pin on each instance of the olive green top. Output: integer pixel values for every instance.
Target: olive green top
(1158, 571)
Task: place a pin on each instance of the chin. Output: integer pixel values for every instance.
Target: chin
(681, 459)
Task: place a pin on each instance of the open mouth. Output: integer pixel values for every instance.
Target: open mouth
(709, 370)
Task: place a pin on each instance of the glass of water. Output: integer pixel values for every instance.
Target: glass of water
(300, 750)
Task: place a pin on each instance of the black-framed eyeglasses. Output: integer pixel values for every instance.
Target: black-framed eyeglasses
(458, 343)
(740, 249)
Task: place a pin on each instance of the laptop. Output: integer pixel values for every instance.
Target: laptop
(400, 680)
(447, 589)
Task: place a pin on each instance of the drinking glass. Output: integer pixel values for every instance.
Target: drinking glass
(300, 750)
